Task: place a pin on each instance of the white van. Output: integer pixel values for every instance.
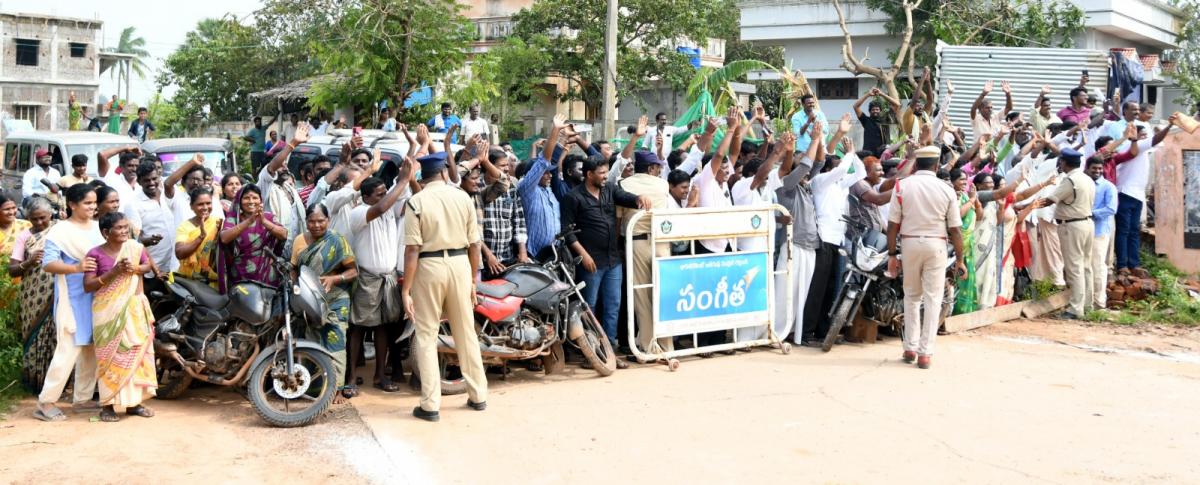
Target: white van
(19, 149)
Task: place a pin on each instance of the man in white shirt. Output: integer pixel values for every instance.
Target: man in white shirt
(757, 188)
(41, 179)
(1132, 178)
(289, 129)
(125, 182)
(474, 125)
(152, 215)
(375, 303)
(665, 131)
(386, 122)
(192, 175)
(280, 197)
(830, 192)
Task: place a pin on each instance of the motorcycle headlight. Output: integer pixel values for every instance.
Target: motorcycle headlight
(868, 259)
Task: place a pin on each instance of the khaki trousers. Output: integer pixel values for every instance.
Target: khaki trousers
(643, 304)
(1047, 254)
(1100, 251)
(1076, 240)
(924, 265)
(442, 285)
(68, 357)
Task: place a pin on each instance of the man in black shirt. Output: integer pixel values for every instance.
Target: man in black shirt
(874, 126)
(591, 208)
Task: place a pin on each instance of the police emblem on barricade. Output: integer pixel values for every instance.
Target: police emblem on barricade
(666, 227)
(755, 221)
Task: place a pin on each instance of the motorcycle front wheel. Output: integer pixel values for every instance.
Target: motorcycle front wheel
(841, 316)
(296, 400)
(595, 346)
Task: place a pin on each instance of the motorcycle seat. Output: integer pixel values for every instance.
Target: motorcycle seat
(204, 294)
(496, 288)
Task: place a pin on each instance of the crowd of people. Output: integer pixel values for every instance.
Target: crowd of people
(1034, 193)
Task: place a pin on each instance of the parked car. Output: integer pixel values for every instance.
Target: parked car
(20, 147)
(393, 146)
(218, 153)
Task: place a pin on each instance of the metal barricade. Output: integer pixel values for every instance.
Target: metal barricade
(713, 292)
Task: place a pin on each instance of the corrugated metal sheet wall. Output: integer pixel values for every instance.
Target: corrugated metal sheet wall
(1026, 69)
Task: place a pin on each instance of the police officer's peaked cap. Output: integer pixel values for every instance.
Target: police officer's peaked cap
(931, 151)
(1070, 155)
(642, 160)
(432, 162)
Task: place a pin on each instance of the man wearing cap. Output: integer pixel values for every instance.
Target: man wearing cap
(442, 255)
(1073, 199)
(646, 181)
(924, 210)
(41, 179)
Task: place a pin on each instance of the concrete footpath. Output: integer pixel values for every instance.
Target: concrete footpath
(994, 409)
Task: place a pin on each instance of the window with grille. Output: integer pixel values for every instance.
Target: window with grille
(27, 52)
(78, 49)
(837, 89)
(27, 113)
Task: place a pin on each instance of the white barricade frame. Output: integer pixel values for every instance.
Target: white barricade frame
(692, 225)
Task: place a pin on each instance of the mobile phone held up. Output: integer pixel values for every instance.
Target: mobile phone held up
(357, 131)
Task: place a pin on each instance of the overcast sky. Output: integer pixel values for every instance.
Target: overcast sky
(162, 23)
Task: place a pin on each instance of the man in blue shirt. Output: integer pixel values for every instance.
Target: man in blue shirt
(537, 197)
(257, 137)
(442, 122)
(1103, 209)
(803, 120)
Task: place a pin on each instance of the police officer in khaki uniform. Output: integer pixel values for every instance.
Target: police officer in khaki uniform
(646, 181)
(1073, 199)
(924, 210)
(441, 259)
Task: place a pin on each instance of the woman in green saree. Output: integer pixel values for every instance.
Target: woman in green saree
(328, 254)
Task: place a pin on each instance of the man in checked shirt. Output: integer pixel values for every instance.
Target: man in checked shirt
(504, 231)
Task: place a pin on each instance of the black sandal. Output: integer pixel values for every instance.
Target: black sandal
(140, 410)
(386, 385)
(109, 415)
(350, 391)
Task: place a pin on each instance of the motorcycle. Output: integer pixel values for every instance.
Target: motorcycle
(867, 285)
(248, 338)
(529, 312)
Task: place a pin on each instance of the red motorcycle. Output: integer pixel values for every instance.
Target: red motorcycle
(529, 313)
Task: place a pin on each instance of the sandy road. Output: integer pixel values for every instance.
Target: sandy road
(1000, 406)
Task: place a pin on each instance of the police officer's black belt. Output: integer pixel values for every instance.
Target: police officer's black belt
(1068, 221)
(641, 237)
(444, 253)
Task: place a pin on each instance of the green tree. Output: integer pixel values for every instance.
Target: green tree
(498, 81)
(647, 35)
(135, 46)
(384, 49)
(1187, 55)
(220, 64)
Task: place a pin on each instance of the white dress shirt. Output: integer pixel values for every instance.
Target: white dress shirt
(155, 217)
(31, 182)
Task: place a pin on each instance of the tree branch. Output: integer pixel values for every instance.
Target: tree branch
(849, 62)
(902, 53)
(981, 28)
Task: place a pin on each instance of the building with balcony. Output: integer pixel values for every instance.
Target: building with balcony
(812, 40)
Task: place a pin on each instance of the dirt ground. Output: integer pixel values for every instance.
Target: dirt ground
(1025, 402)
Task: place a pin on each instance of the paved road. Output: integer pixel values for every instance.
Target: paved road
(992, 410)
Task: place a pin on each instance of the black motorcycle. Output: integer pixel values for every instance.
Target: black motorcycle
(248, 338)
(867, 285)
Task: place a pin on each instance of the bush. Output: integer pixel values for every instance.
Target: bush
(11, 347)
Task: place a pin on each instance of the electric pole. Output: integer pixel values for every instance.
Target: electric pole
(609, 115)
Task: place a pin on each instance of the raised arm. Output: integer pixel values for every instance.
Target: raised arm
(1008, 101)
(559, 122)
(735, 145)
(1041, 95)
(733, 121)
(176, 176)
(627, 152)
(858, 104)
(102, 157)
(393, 195)
(987, 89)
(842, 128)
(280, 158)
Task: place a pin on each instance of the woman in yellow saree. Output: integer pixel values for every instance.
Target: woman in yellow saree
(121, 321)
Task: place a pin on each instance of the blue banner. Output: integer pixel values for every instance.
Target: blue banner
(710, 286)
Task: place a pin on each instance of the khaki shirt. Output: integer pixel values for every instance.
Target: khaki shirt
(440, 217)
(640, 184)
(1074, 196)
(923, 205)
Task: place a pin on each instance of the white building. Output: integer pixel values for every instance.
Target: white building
(808, 31)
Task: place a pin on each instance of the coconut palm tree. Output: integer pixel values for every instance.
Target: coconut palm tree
(129, 44)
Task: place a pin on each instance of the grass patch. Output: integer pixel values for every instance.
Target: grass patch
(1171, 305)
